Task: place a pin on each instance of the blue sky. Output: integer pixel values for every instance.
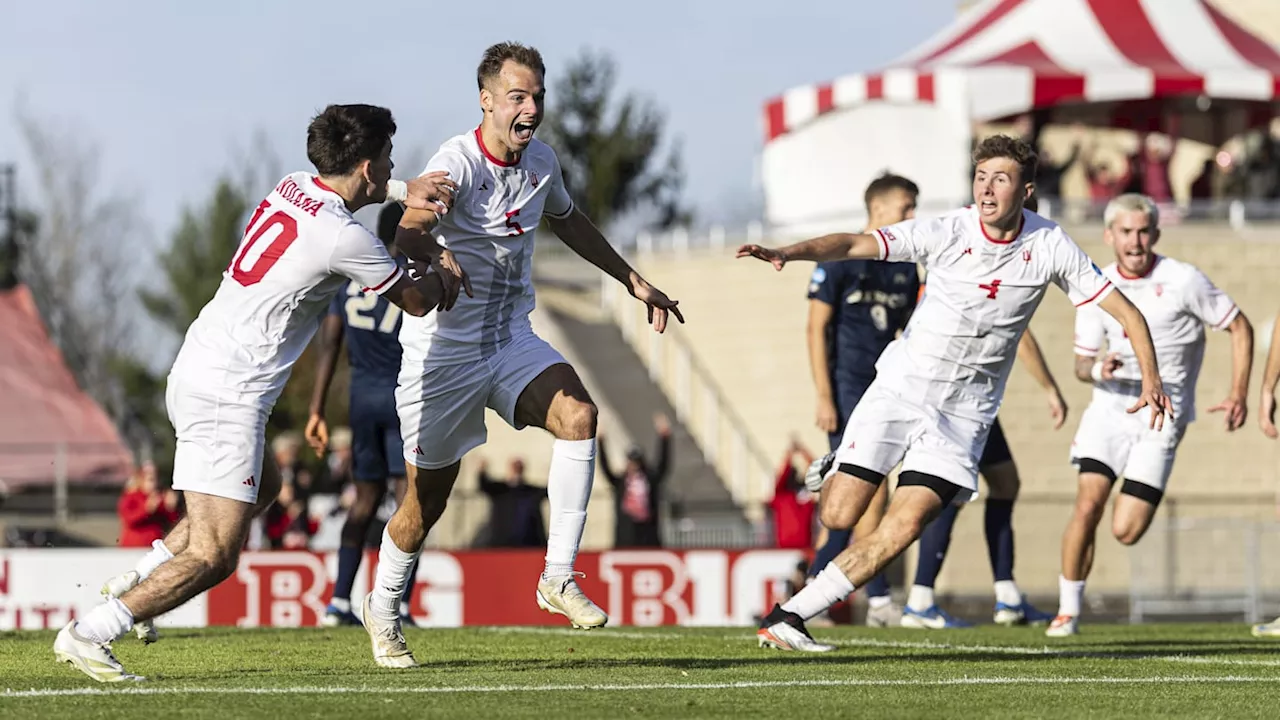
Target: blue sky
(172, 93)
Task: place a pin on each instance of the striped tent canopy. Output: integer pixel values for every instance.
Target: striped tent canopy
(1117, 63)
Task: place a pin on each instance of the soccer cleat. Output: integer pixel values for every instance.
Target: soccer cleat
(784, 630)
(93, 659)
(563, 597)
(1271, 629)
(935, 618)
(1022, 614)
(1063, 626)
(884, 616)
(389, 647)
(333, 617)
(121, 584)
(816, 476)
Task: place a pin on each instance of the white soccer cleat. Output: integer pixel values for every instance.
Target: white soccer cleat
(1271, 629)
(389, 647)
(91, 658)
(562, 596)
(1063, 626)
(784, 630)
(816, 476)
(119, 585)
(889, 615)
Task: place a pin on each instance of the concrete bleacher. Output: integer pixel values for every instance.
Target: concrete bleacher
(747, 326)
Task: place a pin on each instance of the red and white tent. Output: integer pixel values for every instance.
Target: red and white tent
(1116, 63)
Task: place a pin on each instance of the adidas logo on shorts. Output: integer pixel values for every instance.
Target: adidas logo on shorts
(417, 450)
(250, 482)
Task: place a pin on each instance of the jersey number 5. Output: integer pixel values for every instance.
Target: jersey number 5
(513, 223)
(286, 231)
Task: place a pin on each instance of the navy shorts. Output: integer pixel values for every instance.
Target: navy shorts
(376, 449)
(847, 396)
(997, 449)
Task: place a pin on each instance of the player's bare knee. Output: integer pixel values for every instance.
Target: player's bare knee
(1128, 533)
(577, 420)
(836, 516)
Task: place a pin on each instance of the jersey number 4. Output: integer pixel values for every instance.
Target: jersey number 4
(284, 231)
(992, 289)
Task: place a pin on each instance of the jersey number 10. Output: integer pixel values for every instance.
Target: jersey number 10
(288, 232)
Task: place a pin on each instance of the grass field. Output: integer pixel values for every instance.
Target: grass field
(1200, 671)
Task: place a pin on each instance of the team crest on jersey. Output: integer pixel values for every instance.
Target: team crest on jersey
(1026, 256)
(888, 235)
(1159, 289)
(899, 279)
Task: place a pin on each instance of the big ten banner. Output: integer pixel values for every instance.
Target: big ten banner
(45, 588)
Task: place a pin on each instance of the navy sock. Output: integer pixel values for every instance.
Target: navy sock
(348, 565)
(998, 523)
(837, 541)
(409, 585)
(934, 542)
(877, 586)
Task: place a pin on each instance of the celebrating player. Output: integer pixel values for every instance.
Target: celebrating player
(371, 327)
(938, 387)
(1267, 422)
(300, 244)
(856, 308)
(484, 353)
(1178, 301)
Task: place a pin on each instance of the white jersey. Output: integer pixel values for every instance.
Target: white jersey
(299, 248)
(490, 229)
(958, 348)
(1177, 301)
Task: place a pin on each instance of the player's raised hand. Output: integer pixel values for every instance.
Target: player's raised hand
(1110, 365)
(455, 279)
(1236, 409)
(1267, 415)
(760, 252)
(433, 191)
(1057, 409)
(659, 305)
(317, 434)
(1154, 397)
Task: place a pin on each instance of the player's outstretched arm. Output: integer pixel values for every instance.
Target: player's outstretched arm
(1236, 406)
(1270, 377)
(414, 239)
(416, 296)
(331, 333)
(433, 191)
(820, 315)
(1029, 354)
(837, 246)
(1135, 327)
(581, 235)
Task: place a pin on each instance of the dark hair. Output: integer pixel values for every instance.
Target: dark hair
(388, 220)
(886, 183)
(1003, 146)
(1031, 203)
(497, 55)
(343, 136)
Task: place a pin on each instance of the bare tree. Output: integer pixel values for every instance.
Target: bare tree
(79, 257)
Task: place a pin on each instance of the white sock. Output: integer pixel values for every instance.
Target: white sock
(106, 622)
(341, 604)
(157, 556)
(1007, 592)
(828, 588)
(573, 467)
(1070, 592)
(391, 577)
(878, 601)
(920, 598)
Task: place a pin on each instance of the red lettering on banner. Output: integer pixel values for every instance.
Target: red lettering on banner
(4, 576)
(646, 587)
(282, 589)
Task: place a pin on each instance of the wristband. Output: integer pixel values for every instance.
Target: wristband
(1096, 372)
(397, 190)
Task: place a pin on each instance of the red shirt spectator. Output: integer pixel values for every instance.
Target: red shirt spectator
(792, 504)
(146, 514)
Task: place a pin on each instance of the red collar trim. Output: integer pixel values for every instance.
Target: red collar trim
(320, 184)
(1146, 274)
(492, 158)
(1022, 221)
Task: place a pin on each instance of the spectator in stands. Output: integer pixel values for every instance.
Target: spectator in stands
(515, 514)
(1049, 176)
(637, 489)
(793, 505)
(146, 512)
(339, 459)
(288, 524)
(287, 448)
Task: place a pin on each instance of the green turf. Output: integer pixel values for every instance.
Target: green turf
(1200, 671)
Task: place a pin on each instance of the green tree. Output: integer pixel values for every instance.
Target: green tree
(608, 146)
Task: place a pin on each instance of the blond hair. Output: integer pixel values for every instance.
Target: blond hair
(1131, 202)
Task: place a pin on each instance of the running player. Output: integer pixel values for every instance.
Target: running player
(938, 387)
(371, 327)
(300, 244)
(1178, 301)
(1267, 421)
(484, 353)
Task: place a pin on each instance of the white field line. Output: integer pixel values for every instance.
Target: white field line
(744, 685)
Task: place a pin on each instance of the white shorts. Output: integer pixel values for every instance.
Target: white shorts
(884, 430)
(1125, 442)
(220, 443)
(442, 408)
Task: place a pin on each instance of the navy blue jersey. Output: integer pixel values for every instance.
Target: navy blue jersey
(871, 301)
(373, 334)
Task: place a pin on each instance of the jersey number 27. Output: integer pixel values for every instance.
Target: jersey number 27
(364, 302)
(283, 230)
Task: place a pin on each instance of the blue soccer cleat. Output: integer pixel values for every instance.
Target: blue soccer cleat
(935, 618)
(1023, 613)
